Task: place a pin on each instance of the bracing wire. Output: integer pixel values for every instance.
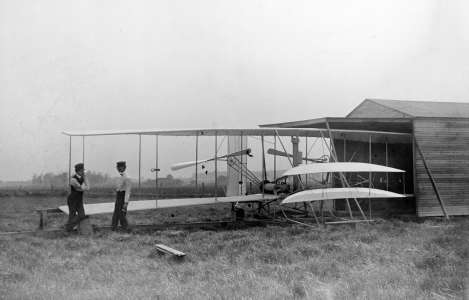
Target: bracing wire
(236, 164)
(256, 138)
(312, 145)
(221, 143)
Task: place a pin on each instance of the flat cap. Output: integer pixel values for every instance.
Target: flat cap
(121, 164)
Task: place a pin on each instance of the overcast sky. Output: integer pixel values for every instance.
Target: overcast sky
(209, 63)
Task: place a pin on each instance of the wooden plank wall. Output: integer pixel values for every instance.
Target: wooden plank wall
(445, 146)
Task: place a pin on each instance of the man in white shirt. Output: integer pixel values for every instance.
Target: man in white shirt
(122, 197)
(78, 184)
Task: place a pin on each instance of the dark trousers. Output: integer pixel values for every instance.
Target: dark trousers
(76, 212)
(119, 215)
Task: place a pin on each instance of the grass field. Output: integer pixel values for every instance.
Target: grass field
(389, 259)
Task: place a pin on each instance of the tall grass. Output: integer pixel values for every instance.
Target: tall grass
(389, 259)
(386, 260)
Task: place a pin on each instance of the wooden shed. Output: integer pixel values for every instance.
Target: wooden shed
(437, 150)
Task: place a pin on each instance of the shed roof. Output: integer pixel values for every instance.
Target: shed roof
(422, 108)
(393, 130)
(403, 125)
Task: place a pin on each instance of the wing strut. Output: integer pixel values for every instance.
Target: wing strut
(264, 171)
(342, 177)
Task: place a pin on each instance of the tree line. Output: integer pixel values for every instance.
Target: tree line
(56, 180)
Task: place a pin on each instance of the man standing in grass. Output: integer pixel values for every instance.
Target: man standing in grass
(122, 197)
(78, 184)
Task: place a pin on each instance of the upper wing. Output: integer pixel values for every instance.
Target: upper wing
(303, 132)
(339, 167)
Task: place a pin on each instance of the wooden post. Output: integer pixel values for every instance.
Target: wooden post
(70, 160)
(295, 143)
(216, 164)
(403, 183)
(139, 161)
(306, 161)
(369, 174)
(241, 179)
(387, 174)
(321, 208)
(41, 220)
(414, 169)
(156, 164)
(264, 171)
(345, 156)
(83, 149)
(45, 218)
(275, 157)
(196, 158)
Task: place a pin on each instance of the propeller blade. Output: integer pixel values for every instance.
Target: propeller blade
(187, 164)
(278, 153)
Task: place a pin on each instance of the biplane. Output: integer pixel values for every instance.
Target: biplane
(285, 191)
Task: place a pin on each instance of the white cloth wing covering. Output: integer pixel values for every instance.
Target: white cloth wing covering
(339, 193)
(108, 207)
(339, 167)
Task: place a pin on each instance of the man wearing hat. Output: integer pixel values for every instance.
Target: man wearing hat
(78, 184)
(122, 197)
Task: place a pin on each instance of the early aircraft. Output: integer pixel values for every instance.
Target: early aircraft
(288, 188)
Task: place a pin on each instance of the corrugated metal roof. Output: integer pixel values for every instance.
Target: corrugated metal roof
(427, 108)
